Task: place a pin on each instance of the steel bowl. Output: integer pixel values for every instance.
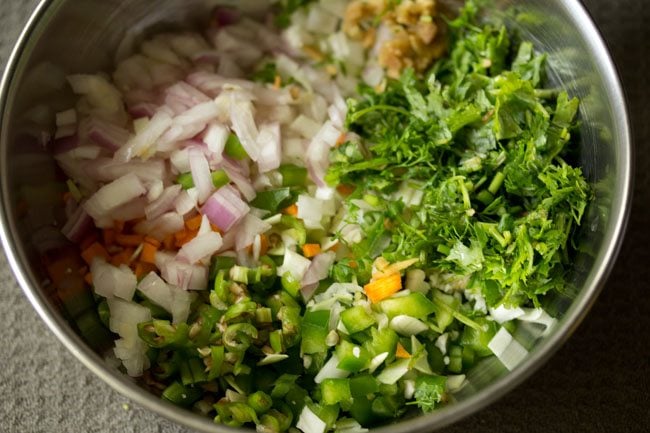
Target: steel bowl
(65, 36)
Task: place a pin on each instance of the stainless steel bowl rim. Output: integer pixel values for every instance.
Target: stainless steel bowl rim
(439, 418)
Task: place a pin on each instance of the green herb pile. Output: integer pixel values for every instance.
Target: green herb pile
(483, 142)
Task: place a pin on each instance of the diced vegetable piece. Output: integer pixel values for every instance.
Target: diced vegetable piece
(356, 319)
(335, 391)
(351, 357)
(413, 305)
(383, 287)
(315, 327)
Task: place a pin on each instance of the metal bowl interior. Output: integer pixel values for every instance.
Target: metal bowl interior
(89, 35)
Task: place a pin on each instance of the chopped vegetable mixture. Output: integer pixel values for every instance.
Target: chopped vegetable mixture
(305, 225)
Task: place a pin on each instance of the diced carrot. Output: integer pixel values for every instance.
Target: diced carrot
(142, 269)
(118, 226)
(187, 236)
(310, 250)
(180, 235)
(383, 287)
(277, 82)
(194, 223)
(123, 257)
(88, 278)
(153, 241)
(264, 244)
(401, 352)
(129, 240)
(95, 250)
(168, 242)
(291, 210)
(108, 235)
(345, 190)
(342, 138)
(148, 254)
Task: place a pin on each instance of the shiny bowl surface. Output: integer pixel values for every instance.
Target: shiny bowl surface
(65, 36)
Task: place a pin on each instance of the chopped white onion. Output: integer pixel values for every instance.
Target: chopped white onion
(295, 264)
(407, 325)
(309, 422)
(508, 350)
(109, 280)
(202, 246)
(394, 372)
(114, 195)
(331, 371)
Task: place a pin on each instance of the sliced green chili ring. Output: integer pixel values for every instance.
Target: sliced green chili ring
(180, 395)
(238, 337)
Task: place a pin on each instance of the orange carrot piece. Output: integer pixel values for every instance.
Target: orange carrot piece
(383, 288)
(345, 190)
(123, 257)
(194, 223)
(88, 278)
(342, 138)
(291, 210)
(148, 254)
(129, 240)
(401, 352)
(311, 250)
(215, 228)
(108, 236)
(95, 250)
(168, 242)
(264, 245)
(277, 82)
(153, 241)
(142, 269)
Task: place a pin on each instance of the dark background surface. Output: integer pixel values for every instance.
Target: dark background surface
(597, 382)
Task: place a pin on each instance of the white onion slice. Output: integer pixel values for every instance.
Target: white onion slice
(113, 195)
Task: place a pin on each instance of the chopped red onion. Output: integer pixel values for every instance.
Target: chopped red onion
(225, 208)
(110, 281)
(107, 170)
(164, 203)
(105, 134)
(243, 123)
(185, 276)
(184, 203)
(269, 142)
(215, 138)
(141, 144)
(142, 109)
(114, 195)
(250, 227)
(200, 247)
(200, 174)
(78, 225)
(242, 182)
(319, 269)
(162, 226)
